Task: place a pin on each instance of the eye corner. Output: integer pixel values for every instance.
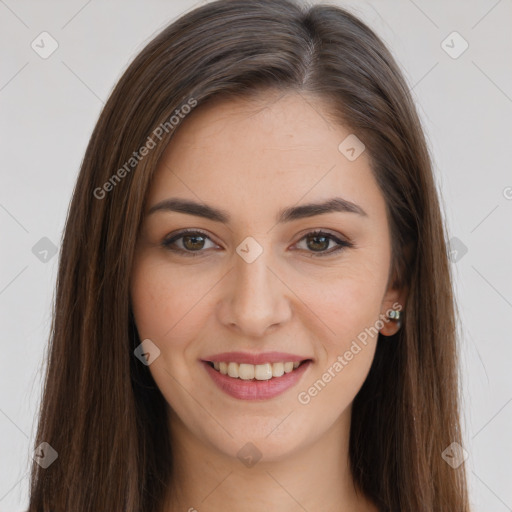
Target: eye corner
(342, 242)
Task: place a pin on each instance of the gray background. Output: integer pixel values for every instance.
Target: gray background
(49, 108)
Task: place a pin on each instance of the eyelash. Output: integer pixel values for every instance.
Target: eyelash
(342, 244)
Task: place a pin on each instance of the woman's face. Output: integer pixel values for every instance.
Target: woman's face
(256, 281)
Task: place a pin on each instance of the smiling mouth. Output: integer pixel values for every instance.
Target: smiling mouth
(264, 371)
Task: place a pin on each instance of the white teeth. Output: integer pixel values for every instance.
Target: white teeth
(277, 369)
(288, 367)
(259, 371)
(233, 369)
(246, 371)
(263, 371)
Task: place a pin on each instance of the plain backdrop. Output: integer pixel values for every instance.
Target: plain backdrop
(49, 107)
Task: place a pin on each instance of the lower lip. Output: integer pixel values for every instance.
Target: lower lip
(256, 389)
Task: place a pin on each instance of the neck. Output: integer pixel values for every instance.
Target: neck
(315, 476)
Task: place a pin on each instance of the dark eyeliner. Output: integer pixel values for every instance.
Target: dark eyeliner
(167, 242)
(342, 244)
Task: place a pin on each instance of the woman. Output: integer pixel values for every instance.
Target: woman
(254, 307)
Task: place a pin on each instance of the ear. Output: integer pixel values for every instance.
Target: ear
(394, 300)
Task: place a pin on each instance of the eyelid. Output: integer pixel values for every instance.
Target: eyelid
(342, 241)
(168, 240)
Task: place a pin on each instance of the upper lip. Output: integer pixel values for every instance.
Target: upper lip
(248, 358)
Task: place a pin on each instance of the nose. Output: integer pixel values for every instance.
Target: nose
(255, 299)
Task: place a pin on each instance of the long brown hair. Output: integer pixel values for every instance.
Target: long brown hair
(101, 410)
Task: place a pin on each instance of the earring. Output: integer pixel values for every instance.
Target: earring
(396, 317)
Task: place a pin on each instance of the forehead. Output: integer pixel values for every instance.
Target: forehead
(273, 149)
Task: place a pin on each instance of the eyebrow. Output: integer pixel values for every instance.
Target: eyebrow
(336, 204)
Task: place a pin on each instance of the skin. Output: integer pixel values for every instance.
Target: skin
(252, 158)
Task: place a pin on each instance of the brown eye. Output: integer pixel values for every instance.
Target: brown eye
(193, 242)
(189, 243)
(318, 242)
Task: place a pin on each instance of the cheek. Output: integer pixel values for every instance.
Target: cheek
(167, 303)
(349, 308)
(346, 304)
(168, 310)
